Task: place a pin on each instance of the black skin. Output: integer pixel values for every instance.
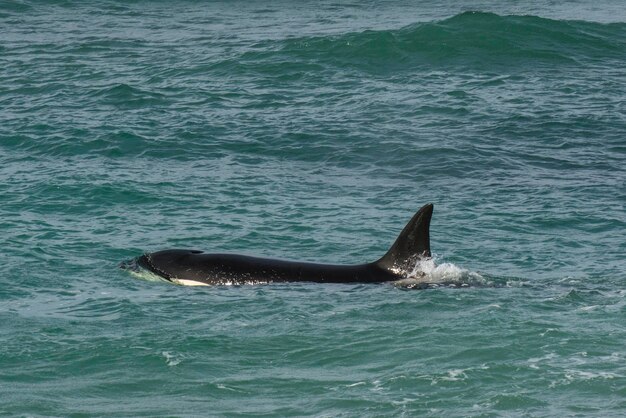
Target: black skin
(241, 269)
(412, 244)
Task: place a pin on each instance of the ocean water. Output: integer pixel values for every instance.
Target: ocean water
(313, 131)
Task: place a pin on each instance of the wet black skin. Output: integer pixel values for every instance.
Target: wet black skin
(220, 268)
(412, 244)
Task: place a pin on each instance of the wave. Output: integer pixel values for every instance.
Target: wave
(470, 38)
(129, 96)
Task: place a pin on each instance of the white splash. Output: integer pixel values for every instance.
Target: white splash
(428, 272)
(172, 359)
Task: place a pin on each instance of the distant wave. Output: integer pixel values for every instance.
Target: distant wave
(470, 38)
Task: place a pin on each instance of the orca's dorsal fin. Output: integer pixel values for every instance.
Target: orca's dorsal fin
(412, 244)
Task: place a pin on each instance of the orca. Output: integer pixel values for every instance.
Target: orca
(194, 267)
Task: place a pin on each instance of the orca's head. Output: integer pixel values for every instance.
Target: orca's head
(168, 264)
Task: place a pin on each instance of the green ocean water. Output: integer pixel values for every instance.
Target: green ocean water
(313, 131)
